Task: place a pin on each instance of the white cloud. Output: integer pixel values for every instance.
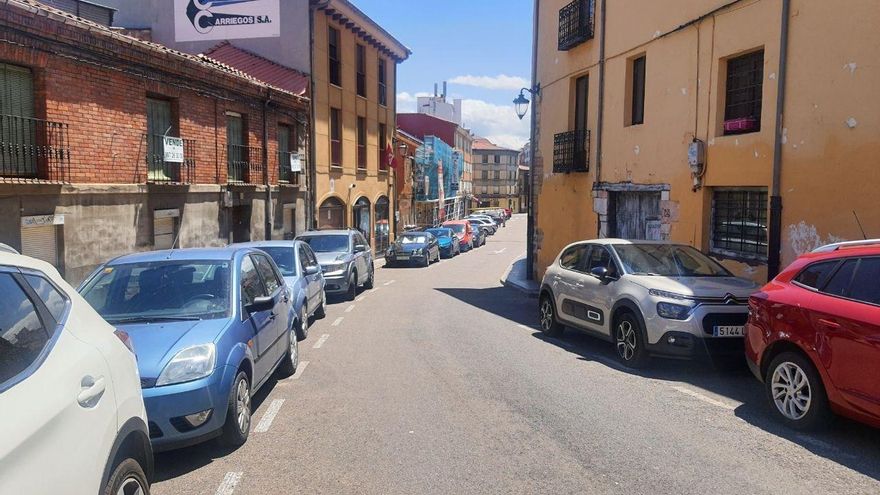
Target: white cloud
(502, 81)
(406, 102)
(497, 123)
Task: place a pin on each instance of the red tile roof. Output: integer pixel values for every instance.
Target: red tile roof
(260, 68)
(481, 143)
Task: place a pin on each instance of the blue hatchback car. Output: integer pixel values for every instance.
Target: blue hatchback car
(447, 240)
(209, 327)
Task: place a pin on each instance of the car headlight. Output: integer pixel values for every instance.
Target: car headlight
(189, 364)
(667, 295)
(417, 252)
(673, 311)
(336, 267)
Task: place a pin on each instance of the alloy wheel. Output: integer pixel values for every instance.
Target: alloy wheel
(131, 486)
(626, 340)
(243, 406)
(546, 315)
(791, 391)
(304, 319)
(294, 350)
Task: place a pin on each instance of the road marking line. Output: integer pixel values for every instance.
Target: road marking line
(349, 309)
(299, 370)
(389, 282)
(337, 321)
(321, 341)
(361, 297)
(501, 251)
(230, 481)
(704, 398)
(271, 412)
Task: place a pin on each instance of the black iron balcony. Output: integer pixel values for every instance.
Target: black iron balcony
(571, 152)
(34, 149)
(244, 164)
(286, 160)
(160, 171)
(576, 23)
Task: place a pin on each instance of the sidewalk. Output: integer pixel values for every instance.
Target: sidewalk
(515, 278)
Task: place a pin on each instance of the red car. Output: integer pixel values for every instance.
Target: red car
(813, 336)
(464, 231)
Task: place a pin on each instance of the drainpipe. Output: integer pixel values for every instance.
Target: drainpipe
(600, 115)
(265, 157)
(775, 234)
(312, 181)
(530, 218)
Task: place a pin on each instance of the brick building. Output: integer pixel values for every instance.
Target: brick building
(86, 173)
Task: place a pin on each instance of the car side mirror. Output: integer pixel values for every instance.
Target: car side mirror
(313, 270)
(360, 248)
(600, 272)
(264, 303)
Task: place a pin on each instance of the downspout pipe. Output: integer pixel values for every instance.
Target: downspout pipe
(775, 233)
(312, 181)
(600, 114)
(530, 218)
(268, 208)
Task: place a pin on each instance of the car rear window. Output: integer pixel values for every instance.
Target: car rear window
(816, 274)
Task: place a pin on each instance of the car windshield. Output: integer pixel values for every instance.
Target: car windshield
(284, 258)
(667, 260)
(162, 290)
(414, 239)
(440, 232)
(331, 243)
(457, 228)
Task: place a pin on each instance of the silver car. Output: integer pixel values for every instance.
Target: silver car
(345, 258)
(648, 298)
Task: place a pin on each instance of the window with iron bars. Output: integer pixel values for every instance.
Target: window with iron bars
(571, 151)
(576, 23)
(288, 155)
(743, 98)
(739, 223)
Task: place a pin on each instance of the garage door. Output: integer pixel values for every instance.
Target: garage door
(40, 242)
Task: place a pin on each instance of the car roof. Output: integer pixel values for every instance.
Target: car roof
(615, 241)
(326, 232)
(261, 244)
(843, 252)
(454, 222)
(19, 260)
(188, 254)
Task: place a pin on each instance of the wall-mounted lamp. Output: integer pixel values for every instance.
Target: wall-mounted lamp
(521, 103)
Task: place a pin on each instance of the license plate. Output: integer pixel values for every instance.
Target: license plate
(729, 331)
(402, 258)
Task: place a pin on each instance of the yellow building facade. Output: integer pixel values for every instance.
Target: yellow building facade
(663, 120)
(354, 69)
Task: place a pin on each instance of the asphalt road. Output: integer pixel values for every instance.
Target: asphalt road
(437, 381)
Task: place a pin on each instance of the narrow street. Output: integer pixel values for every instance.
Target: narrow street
(437, 381)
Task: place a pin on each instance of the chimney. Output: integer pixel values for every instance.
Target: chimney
(444, 91)
(435, 90)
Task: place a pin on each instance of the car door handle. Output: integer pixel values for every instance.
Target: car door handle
(273, 316)
(828, 323)
(91, 392)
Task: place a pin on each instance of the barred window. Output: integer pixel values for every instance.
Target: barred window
(739, 223)
(742, 106)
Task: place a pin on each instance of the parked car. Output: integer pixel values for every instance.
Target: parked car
(486, 223)
(648, 298)
(345, 258)
(420, 247)
(464, 231)
(480, 233)
(508, 212)
(302, 274)
(447, 241)
(209, 328)
(812, 336)
(73, 417)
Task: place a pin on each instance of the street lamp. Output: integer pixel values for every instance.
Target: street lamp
(521, 103)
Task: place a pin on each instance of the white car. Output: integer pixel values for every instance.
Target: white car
(648, 298)
(485, 222)
(72, 419)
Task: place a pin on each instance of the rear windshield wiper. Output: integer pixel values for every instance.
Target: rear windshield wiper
(154, 319)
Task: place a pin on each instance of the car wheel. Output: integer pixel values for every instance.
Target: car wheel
(797, 393)
(370, 281)
(321, 312)
(291, 360)
(629, 341)
(549, 324)
(352, 288)
(427, 262)
(302, 331)
(238, 414)
(127, 479)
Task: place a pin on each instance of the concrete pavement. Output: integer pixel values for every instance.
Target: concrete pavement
(437, 381)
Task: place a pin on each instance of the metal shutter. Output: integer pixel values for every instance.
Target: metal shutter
(163, 232)
(16, 91)
(40, 242)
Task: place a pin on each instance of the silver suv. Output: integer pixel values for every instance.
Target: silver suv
(648, 298)
(345, 258)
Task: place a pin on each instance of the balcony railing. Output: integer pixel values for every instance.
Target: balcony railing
(160, 171)
(576, 23)
(34, 149)
(245, 164)
(571, 152)
(285, 174)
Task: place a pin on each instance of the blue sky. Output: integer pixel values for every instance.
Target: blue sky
(454, 39)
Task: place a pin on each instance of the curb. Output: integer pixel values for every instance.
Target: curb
(528, 291)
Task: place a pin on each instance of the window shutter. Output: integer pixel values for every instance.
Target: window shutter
(40, 242)
(16, 91)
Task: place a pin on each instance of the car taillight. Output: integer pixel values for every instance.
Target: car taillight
(126, 339)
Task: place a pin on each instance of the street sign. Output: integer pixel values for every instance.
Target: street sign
(295, 162)
(173, 148)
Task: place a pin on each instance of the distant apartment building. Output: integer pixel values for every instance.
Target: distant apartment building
(111, 145)
(496, 172)
(697, 126)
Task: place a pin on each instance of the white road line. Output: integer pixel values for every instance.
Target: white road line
(337, 321)
(389, 282)
(271, 412)
(704, 398)
(501, 251)
(300, 369)
(361, 297)
(230, 481)
(524, 327)
(321, 341)
(349, 309)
